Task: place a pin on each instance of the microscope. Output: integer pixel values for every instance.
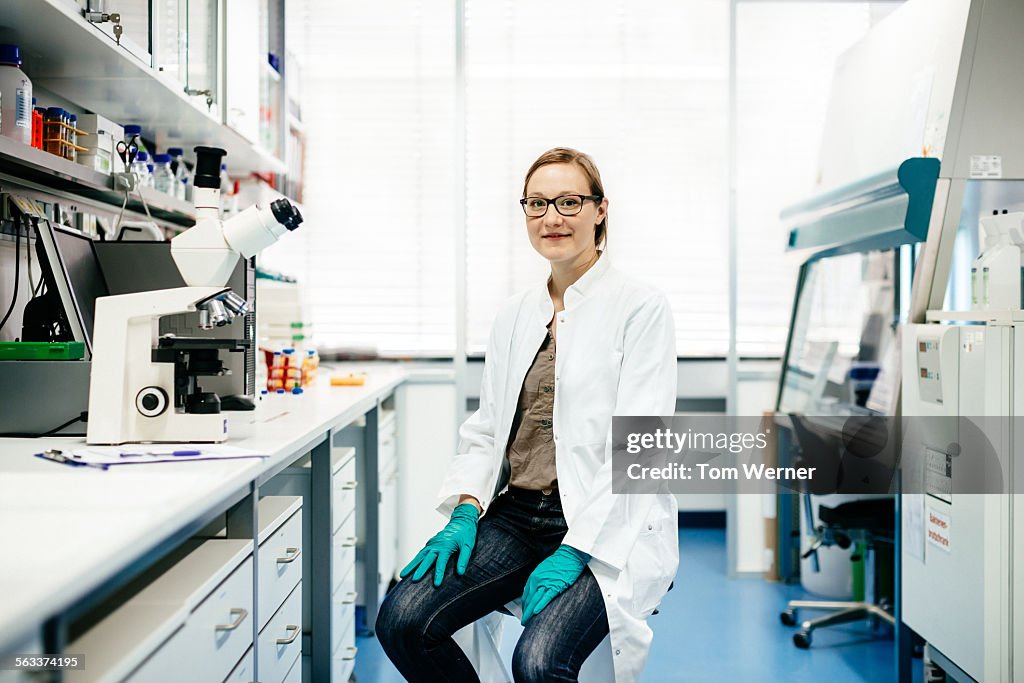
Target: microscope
(145, 387)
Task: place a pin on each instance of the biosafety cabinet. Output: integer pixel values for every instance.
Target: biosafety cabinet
(939, 79)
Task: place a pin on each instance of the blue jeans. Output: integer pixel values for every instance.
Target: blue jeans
(521, 528)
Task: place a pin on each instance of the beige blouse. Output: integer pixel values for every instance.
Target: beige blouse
(531, 453)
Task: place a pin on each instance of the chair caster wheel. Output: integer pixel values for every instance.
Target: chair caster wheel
(802, 639)
(788, 617)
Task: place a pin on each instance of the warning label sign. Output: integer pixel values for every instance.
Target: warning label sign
(938, 529)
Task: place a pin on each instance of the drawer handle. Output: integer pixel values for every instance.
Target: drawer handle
(295, 634)
(291, 557)
(349, 485)
(242, 614)
(351, 540)
(350, 597)
(351, 652)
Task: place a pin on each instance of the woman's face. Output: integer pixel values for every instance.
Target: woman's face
(558, 238)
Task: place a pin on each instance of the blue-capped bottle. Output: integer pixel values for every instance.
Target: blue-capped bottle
(15, 97)
(182, 176)
(140, 167)
(163, 177)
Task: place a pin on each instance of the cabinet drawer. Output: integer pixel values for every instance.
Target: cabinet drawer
(281, 640)
(295, 675)
(387, 454)
(280, 567)
(213, 638)
(387, 545)
(244, 672)
(387, 446)
(346, 588)
(343, 616)
(346, 533)
(343, 563)
(343, 664)
(343, 493)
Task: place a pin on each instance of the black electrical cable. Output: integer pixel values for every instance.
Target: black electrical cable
(83, 417)
(17, 275)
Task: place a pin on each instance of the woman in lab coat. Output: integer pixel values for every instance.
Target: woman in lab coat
(562, 359)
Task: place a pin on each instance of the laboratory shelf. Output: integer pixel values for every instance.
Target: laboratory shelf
(42, 169)
(90, 70)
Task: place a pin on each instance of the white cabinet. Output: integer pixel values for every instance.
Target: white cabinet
(280, 550)
(387, 551)
(245, 671)
(195, 621)
(280, 642)
(343, 551)
(279, 645)
(343, 488)
(192, 623)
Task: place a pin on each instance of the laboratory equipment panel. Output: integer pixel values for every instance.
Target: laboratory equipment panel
(957, 541)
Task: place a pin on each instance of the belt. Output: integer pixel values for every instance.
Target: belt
(532, 494)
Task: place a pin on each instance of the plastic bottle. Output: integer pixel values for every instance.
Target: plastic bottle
(53, 127)
(163, 176)
(65, 133)
(310, 363)
(140, 167)
(1001, 272)
(225, 191)
(15, 97)
(276, 373)
(182, 176)
(133, 133)
(37, 126)
(71, 149)
(293, 369)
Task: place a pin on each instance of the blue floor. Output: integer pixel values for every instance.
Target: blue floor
(715, 630)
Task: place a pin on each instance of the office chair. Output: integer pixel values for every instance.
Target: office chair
(866, 523)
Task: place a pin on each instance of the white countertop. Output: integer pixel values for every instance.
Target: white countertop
(66, 530)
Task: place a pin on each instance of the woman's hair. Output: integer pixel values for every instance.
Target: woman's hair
(566, 155)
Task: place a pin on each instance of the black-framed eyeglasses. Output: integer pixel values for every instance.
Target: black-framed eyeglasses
(567, 204)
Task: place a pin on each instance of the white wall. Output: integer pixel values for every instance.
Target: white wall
(755, 394)
(425, 408)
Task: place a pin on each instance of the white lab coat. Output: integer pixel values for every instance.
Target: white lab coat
(615, 356)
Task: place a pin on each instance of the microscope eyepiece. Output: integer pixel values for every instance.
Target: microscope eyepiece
(286, 213)
(208, 161)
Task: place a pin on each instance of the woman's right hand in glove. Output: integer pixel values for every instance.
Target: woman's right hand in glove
(458, 536)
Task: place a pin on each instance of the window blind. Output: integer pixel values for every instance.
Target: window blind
(640, 86)
(786, 54)
(378, 100)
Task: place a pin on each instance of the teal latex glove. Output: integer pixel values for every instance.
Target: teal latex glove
(458, 536)
(551, 577)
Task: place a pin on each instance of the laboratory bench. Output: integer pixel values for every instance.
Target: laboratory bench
(168, 571)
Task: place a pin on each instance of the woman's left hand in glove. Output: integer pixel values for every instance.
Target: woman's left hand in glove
(552, 576)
